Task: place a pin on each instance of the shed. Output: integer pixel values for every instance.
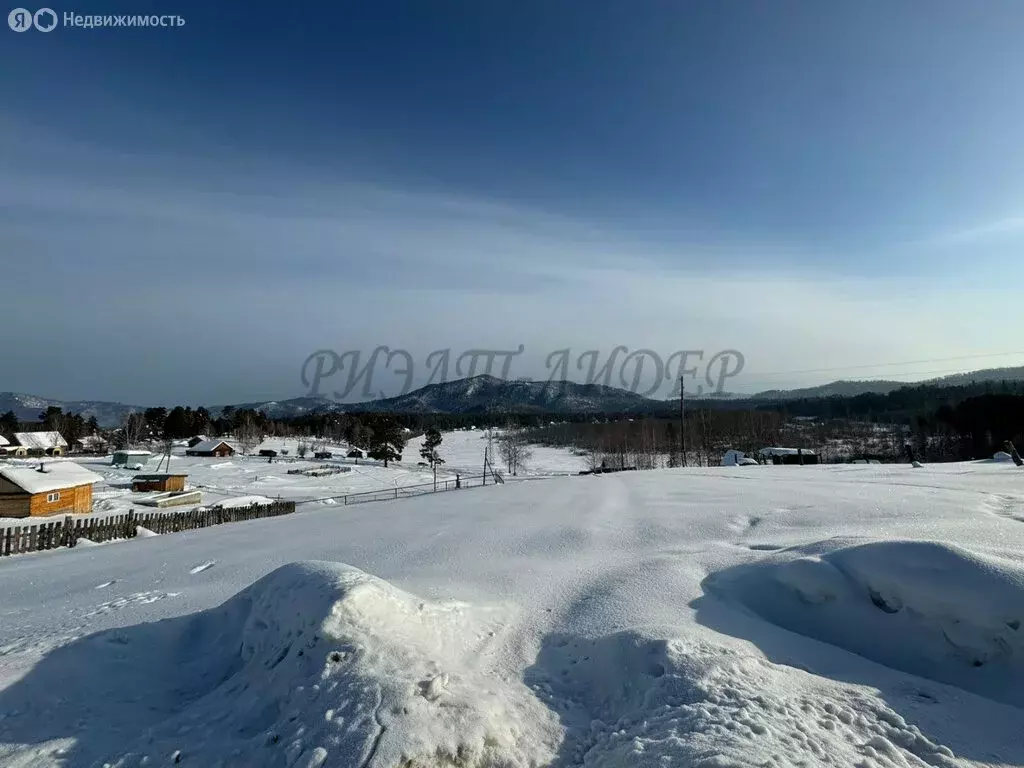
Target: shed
(166, 482)
(323, 455)
(268, 453)
(211, 448)
(355, 453)
(48, 489)
(42, 443)
(130, 458)
(789, 455)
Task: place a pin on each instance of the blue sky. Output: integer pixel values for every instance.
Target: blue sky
(187, 213)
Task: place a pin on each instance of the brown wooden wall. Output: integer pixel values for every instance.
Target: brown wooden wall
(77, 500)
(167, 484)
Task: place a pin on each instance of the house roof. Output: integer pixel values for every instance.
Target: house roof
(160, 476)
(41, 440)
(58, 474)
(209, 445)
(133, 453)
(4, 440)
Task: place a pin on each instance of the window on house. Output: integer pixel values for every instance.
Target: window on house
(52, 497)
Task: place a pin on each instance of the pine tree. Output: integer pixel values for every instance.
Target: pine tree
(431, 441)
(387, 441)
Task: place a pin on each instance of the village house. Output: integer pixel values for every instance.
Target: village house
(49, 489)
(92, 444)
(6, 449)
(166, 482)
(211, 448)
(42, 443)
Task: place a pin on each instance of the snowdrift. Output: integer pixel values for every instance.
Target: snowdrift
(315, 664)
(933, 610)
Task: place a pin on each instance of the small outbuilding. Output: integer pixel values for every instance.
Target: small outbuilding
(218, 448)
(166, 482)
(789, 455)
(323, 455)
(268, 453)
(128, 458)
(355, 453)
(49, 489)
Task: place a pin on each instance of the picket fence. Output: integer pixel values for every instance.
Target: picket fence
(35, 537)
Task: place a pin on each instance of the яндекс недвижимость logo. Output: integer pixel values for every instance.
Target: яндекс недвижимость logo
(22, 19)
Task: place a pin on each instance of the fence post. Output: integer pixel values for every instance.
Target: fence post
(130, 525)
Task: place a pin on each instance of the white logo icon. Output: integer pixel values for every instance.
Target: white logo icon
(45, 19)
(20, 20)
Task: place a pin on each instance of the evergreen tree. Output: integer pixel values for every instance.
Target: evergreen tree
(387, 442)
(8, 423)
(431, 441)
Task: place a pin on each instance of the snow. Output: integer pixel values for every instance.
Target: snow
(57, 475)
(1001, 456)
(847, 615)
(41, 441)
(243, 501)
(4, 440)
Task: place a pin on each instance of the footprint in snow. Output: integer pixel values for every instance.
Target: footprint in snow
(205, 566)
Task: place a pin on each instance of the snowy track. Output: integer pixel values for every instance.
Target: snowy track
(749, 616)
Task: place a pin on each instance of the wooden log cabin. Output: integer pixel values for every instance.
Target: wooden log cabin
(165, 482)
(59, 487)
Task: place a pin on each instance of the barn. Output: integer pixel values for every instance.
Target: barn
(49, 489)
(211, 448)
(170, 481)
(42, 443)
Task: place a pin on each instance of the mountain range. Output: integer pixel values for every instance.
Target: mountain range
(490, 395)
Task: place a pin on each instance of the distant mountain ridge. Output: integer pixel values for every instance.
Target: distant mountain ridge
(490, 395)
(28, 408)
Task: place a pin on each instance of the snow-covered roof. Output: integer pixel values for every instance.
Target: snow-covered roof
(92, 440)
(209, 445)
(58, 474)
(786, 451)
(41, 440)
(133, 453)
(4, 440)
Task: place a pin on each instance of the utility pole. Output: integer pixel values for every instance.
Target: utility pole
(682, 422)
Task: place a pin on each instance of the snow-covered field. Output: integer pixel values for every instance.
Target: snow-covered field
(735, 616)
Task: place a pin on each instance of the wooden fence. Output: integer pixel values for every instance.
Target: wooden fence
(34, 537)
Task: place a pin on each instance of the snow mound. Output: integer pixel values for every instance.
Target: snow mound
(934, 610)
(322, 664)
(1001, 456)
(631, 700)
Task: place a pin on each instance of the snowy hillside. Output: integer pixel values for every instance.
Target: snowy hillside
(849, 615)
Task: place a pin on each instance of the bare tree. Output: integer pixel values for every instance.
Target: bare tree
(249, 433)
(302, 448)
(133, 427)
(514, 449)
